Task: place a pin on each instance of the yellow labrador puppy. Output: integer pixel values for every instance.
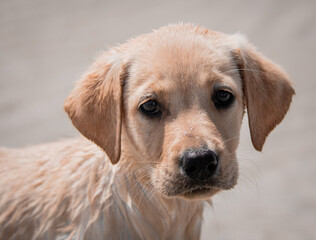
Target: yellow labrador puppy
(163, 114)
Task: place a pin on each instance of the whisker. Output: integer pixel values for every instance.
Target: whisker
(129, 175)
(243, 69)
(233, 138)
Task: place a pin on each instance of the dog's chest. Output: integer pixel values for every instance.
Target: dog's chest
(154, 225)
(149, 219)
(125, 209)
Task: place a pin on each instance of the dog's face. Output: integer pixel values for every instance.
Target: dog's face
(184, 111)
(180, 95)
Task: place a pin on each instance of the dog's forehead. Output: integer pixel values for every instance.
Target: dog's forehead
(178, 58)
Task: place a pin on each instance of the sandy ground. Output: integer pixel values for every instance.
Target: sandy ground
(45, 46)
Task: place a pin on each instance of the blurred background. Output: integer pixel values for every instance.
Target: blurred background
(46, 45)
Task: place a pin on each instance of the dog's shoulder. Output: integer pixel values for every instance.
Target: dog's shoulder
(47, 184)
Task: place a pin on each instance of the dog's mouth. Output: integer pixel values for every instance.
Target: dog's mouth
(184, 187)
(193, 192)
(199, 192)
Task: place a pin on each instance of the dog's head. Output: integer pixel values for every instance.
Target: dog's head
(177, 97)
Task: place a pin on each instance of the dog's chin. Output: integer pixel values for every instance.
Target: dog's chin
(200, 193)
(194, 193)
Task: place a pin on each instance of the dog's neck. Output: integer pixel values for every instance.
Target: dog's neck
(136, 209)
(144, 213)
(119, 205)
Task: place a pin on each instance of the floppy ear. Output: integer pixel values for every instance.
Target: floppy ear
(268, 93)
(95, 105)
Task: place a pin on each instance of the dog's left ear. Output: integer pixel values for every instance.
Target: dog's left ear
(268, 92)
(95, 105)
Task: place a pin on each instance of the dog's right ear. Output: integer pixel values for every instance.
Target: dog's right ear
(95, 105)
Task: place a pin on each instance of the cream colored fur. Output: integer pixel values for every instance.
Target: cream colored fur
(123, 180)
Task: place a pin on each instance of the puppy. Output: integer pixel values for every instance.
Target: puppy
(163, 114)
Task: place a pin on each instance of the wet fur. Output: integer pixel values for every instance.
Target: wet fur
(125, 183)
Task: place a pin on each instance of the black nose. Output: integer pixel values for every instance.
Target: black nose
(199, 164)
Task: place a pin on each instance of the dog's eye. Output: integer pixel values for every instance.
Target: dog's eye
(150, 107)
(223, 99)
